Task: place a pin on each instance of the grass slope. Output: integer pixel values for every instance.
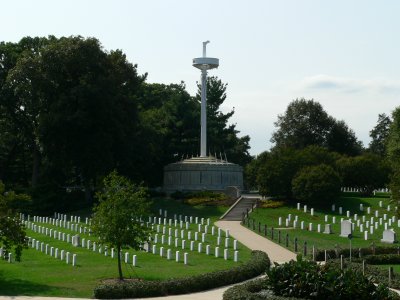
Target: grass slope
(42, 275)
(349, 201)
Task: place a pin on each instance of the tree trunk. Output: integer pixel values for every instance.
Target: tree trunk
(35, 165)
(119, 262)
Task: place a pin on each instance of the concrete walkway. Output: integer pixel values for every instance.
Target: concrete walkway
(254, 241)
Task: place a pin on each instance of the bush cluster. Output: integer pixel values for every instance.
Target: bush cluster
(376, 274)
(383, 259)
(307, 280)
(252, 290)
(355, 252)
(202, 198)
(258, 264)
(271, 203)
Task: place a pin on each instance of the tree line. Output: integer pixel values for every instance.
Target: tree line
(71, 112)
(314, 155)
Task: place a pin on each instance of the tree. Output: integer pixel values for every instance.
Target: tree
(277, 169)
(221, 136)
(276, 173)
(343, 140)
(306, 123)
(393, 151)
(365, 172)
(379, 135)
(252, 169)
(316, 184)
(117, 217)
(20, 106)
(12, 231)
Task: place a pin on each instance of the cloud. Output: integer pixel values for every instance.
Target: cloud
(348, 85)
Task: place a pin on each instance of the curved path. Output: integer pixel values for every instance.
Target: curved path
(254, 241)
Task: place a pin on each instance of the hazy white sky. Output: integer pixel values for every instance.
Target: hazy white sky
(342, 53)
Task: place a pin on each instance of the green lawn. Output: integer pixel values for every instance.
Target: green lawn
(41, 275)
(349, 201)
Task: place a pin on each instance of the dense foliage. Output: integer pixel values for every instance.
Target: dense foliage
(257, 265)
(316, 184)
(306, 123)
(71, 112)
(393, 148)
(304, 279)
(12, 231)
(116, 218)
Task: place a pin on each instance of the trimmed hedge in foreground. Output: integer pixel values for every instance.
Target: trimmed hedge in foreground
(258, 264)
(252, 290)
(355, 252)
(307, 280)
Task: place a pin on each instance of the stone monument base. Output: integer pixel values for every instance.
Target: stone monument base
(202, 173)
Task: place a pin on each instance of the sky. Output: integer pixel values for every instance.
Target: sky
(343, 53)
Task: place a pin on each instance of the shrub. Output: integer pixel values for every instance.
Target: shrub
(383, 259)
(309, 280)
(252, 290)
(316, 184)
(258, 263)
(355, 252)
(271, 204)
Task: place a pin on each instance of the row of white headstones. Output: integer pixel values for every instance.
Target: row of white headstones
(76, 239)
(359, 222)
(53, 252)
(357, 190)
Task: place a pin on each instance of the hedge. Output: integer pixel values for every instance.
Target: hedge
(376, 274)
(355, 252)
(258, 264)
(252, 290)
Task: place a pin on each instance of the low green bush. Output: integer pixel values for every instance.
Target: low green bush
(376, 274)
(308, 280)
(258, 264)
(252, 290)
(355, 252)
(383, 259)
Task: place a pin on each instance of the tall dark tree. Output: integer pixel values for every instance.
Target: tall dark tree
(169, 120)
(306, 123)
(88, 126)
(20, 107)
(221, 136)
(365, 172)
(393, 150)
(343, 140)
(379, 135)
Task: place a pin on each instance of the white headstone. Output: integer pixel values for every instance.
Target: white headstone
(366, 235)
(328, 229)
(345, 228)
(389, 236)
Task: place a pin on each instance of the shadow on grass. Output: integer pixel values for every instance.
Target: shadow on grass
(18, 287)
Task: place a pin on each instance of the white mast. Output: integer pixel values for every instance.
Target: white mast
(204, 63)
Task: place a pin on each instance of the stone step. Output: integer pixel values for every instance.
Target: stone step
(236, 213)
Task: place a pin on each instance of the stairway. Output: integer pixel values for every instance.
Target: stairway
(236, 213)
